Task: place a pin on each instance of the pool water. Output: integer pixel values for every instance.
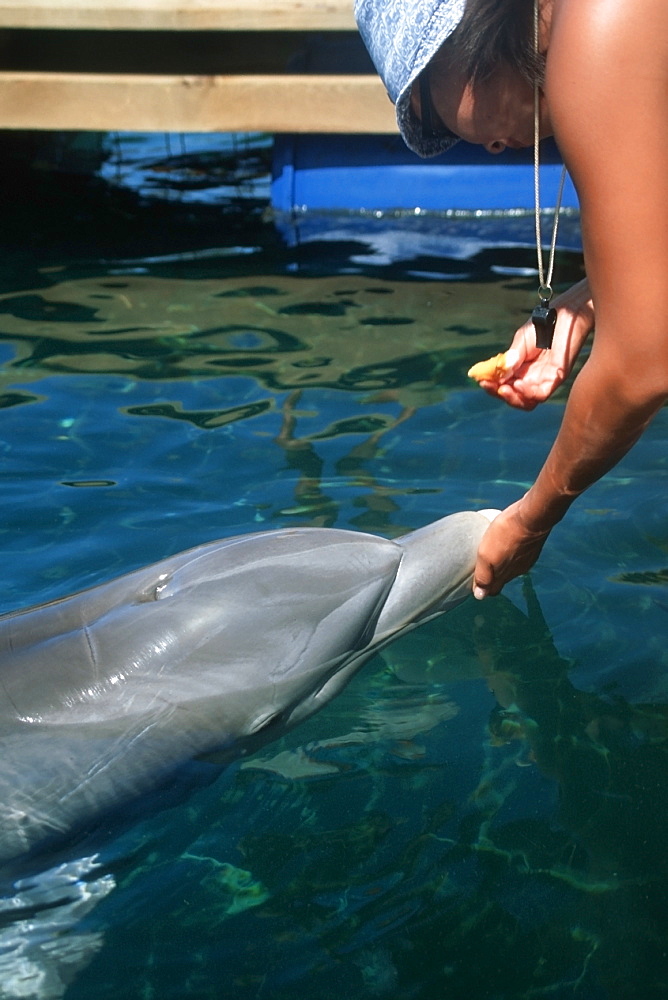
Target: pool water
(481, 814)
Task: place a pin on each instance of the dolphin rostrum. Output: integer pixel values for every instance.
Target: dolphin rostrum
(104, 695)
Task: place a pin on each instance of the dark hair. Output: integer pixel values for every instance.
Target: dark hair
(493, 33)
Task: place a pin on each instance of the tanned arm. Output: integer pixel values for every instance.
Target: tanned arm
(607, 94)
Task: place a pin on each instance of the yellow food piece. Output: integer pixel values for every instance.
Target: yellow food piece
(490, 370)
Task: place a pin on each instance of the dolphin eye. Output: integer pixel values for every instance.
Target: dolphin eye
(154, 591)
(163, 580)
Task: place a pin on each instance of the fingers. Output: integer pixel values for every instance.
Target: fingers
(480, 589)
(484, 583)
(511, 393)
(507, 549)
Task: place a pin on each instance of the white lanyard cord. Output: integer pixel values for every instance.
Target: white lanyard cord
(545, 288)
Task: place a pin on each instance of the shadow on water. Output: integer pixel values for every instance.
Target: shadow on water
(481, 813)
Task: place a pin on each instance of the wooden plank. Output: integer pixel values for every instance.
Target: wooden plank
(242, 103)
(180, 15)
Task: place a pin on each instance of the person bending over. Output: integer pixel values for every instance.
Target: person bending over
(596, 73)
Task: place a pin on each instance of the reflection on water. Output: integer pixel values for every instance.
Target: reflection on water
(123, 385)
(336, 332)
(43, 941)
(481, 813)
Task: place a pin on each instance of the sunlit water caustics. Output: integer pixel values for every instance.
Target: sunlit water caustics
(481, 814)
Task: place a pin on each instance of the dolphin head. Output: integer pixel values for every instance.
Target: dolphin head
(434, 574)
(104, 695)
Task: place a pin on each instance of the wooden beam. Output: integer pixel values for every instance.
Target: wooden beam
(180, 15)
(243, 103)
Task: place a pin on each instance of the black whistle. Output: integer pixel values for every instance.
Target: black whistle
(544, 318)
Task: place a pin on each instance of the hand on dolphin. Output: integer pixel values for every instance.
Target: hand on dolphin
(508, 549)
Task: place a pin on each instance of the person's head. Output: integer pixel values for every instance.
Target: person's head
(455, 69)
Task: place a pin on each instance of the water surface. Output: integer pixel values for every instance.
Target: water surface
(481, 813)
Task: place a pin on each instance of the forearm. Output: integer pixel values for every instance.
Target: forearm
(577, 300)
(601, 423)
(602, 420)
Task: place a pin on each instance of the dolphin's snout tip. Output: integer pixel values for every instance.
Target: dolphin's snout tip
(490, 513)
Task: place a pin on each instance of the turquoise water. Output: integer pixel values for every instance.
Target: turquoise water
(481, 813)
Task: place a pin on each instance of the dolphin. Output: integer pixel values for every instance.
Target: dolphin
(106, 694)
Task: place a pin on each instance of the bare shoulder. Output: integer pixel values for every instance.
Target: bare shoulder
(602, 25)
(605, 56)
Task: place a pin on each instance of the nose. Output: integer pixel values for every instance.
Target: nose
(495, 147)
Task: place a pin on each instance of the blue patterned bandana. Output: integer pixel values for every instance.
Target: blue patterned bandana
(402, 37)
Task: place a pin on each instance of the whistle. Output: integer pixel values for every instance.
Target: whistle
(544, 318)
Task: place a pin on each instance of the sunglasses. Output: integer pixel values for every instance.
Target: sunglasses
(432, 126)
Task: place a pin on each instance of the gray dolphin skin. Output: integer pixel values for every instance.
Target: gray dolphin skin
(104, 695)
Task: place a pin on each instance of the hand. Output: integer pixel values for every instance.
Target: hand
(508, 549)
(536, 373)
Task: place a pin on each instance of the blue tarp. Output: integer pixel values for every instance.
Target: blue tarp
(378, 173)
